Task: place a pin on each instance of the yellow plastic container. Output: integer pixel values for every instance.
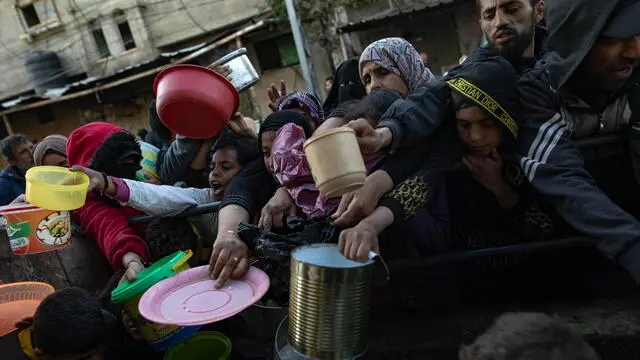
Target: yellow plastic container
(56, 188)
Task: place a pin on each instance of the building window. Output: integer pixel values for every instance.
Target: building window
(277, 53)
(30, 16)
(99, 39)
(38, 12)
(125, 30)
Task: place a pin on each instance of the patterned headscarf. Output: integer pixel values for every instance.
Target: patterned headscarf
(302, 100)
(400, 57)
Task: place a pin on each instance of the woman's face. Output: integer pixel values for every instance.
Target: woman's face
(479, 133)
(268, 137)
(224, 166)
(54, 159)
(376, 77)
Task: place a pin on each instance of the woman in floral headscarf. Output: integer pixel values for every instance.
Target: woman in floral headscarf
(393, 64)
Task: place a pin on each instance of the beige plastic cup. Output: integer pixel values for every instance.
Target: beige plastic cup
(336, 163)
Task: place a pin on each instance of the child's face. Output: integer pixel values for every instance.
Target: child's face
(479, 133)
(224, 166)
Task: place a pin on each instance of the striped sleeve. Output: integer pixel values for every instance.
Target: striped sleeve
(555, 167)
(545, 141)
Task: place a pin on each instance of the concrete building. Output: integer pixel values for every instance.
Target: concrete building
(109, 51)
(444, 29)
(95, 38)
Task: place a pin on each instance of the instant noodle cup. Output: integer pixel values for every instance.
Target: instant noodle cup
(33, 230)
(56, 188)
(160, 336)
(336, 163)
(20, 300)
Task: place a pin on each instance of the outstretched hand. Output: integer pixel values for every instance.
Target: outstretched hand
(356, 243)
(229, 259)
(361, 203)
(278, 207)
(275, 95)
(133, 265)
(96, 179)
(239, 125)
(369, 139)
(223, 70)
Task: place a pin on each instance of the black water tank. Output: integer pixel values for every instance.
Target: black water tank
(45, 70)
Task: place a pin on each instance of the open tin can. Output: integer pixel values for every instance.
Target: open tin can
(243, 74)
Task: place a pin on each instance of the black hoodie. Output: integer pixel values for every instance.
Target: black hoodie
(414, 119)
(554, 117)
(476, 216)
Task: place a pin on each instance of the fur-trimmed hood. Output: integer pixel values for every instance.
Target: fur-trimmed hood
(96, 144)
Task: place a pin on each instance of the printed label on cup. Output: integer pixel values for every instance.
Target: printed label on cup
(52, 230)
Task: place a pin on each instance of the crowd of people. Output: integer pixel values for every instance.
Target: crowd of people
(487, 155)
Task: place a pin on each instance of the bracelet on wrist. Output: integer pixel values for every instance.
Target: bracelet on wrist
(139, 261)
(106, 181)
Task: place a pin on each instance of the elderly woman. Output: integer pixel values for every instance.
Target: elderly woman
(393, 64)
(387, 64)
(51, 151)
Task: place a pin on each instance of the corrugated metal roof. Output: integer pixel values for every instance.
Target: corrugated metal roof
(164, 58)
(372, 21)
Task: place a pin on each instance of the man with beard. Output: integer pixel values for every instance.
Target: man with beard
(588, 85)
(512, 31)
(18, 150)
(112, 151)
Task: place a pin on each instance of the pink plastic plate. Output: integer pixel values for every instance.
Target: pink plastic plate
(189, 298)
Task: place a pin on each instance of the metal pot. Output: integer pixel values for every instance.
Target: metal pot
(329, 303)
(243, 74)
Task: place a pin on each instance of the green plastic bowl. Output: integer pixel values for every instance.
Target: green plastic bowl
(206, 345)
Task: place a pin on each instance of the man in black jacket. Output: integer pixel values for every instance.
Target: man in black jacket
(586, 85)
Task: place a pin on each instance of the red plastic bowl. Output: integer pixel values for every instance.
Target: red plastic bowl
(194, 101)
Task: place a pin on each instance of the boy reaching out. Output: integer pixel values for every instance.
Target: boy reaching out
(229, 154)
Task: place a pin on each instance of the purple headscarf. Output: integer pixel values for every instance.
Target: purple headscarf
(302, 100)
(400, 57)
